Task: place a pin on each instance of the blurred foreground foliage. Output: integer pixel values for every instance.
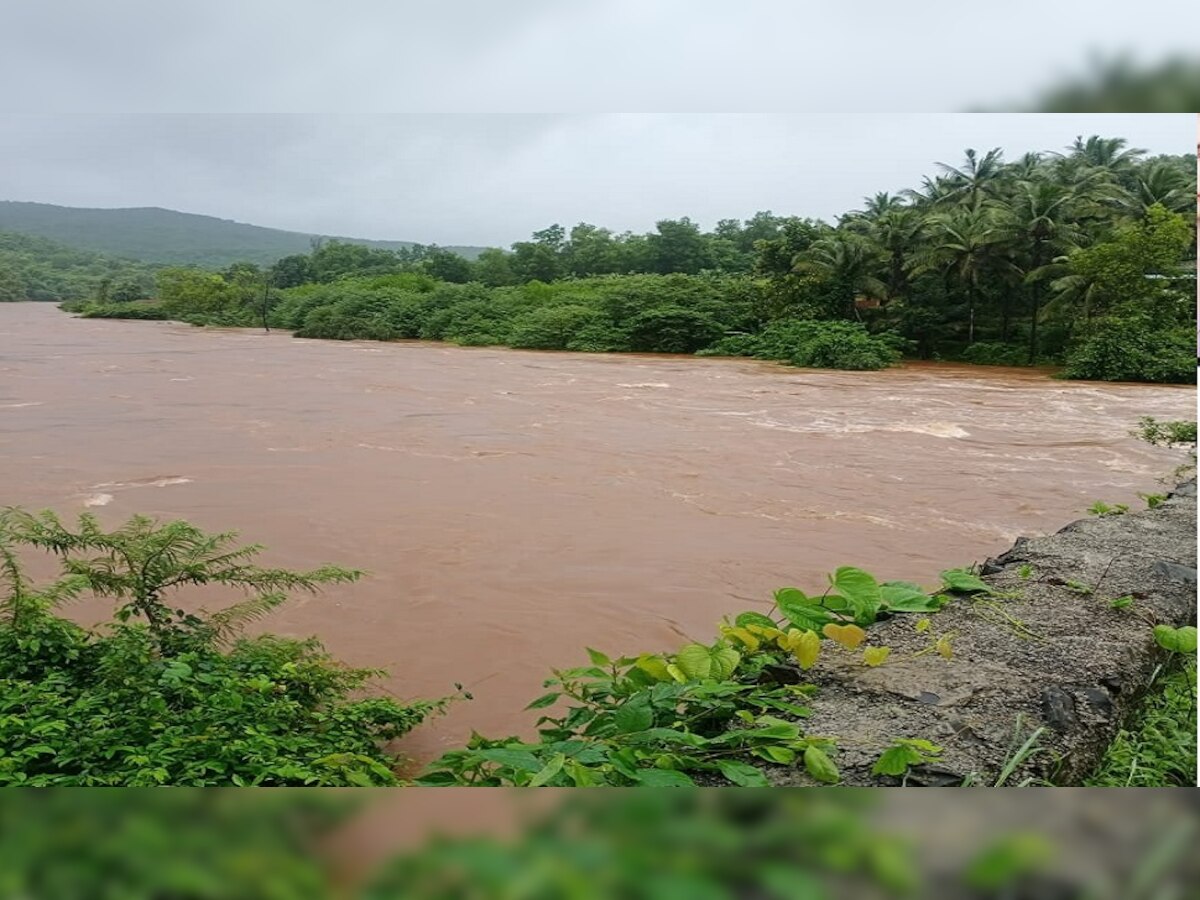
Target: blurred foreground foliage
(802, 844)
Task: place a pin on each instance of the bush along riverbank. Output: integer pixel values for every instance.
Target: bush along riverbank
(1021, 672)
(162, 696)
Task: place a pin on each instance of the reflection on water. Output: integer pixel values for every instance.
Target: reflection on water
(512, 507)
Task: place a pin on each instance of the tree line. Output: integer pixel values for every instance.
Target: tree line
(1084, 257)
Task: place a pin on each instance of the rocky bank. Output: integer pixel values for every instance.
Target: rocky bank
(1047, 651)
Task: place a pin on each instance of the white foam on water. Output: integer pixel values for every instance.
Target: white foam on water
(644, 384)
(20, 405)
(98, 500)
(933, 429)
(165, 481)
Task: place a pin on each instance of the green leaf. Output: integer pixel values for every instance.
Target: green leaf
(598, 658)
(820, 766)
(783, 755)
(725, 660)
(902, 596)
(753, 618)
(1177, 640)
(514, 759)
(634, 715)
(582, 775)
(743, 774)
(551, 769)
(800, 611)
(860, 589)
(699, 662)
(545, 700)
(896, 760)
(963, 582)
(667, 736)
(664, 778)
(695, 661)
(791, 595)
(654, 666)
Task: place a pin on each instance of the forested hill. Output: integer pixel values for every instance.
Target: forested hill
(158, 235)
(35, 268)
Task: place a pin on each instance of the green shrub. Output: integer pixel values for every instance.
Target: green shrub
(994, 353)
(672, 330)
(815, 344)
(119, 311)
(163, 696)
(733, 345)
(552, 327)
(1134, 349)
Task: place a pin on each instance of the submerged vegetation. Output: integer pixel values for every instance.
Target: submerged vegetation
(1084, 259)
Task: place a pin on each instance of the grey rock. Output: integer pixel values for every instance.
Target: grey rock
(1059, 708)
(1175, 571)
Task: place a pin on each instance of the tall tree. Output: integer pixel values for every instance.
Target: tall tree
(849, 262)
(964, 244)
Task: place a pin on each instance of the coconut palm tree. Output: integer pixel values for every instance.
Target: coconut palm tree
(1039, 219)
(1113, 154)
(1154, 183)
(964, 244)
(898, 233)
(977, 179)
(850, 261)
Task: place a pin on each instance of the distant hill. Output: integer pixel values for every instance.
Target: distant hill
(155, 235)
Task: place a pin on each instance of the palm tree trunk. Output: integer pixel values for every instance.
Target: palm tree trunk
(1037, 304)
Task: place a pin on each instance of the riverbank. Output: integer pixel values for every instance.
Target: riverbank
(1019, 675)
(1050, 653)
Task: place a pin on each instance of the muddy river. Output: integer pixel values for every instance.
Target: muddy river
(512, 507)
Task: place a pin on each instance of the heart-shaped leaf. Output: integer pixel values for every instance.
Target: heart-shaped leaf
(861, 591)
(804, 645)
(848, 636)
(695, 661)
(698, 662)
(875, 656)
(725, 660)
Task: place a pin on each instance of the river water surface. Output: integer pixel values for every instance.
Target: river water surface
(512, 507)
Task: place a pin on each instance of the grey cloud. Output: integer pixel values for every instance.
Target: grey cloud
(492, 179)
(542, 55)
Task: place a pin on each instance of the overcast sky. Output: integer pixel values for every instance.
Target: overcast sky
(562, 55)
(493, 179)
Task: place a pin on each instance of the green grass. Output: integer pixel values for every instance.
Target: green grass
(1159, 747)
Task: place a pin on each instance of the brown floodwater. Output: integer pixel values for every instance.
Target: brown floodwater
(512, 507)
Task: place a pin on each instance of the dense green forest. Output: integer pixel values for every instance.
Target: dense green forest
(1083, 258)
(167, 236)
(33, 268)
